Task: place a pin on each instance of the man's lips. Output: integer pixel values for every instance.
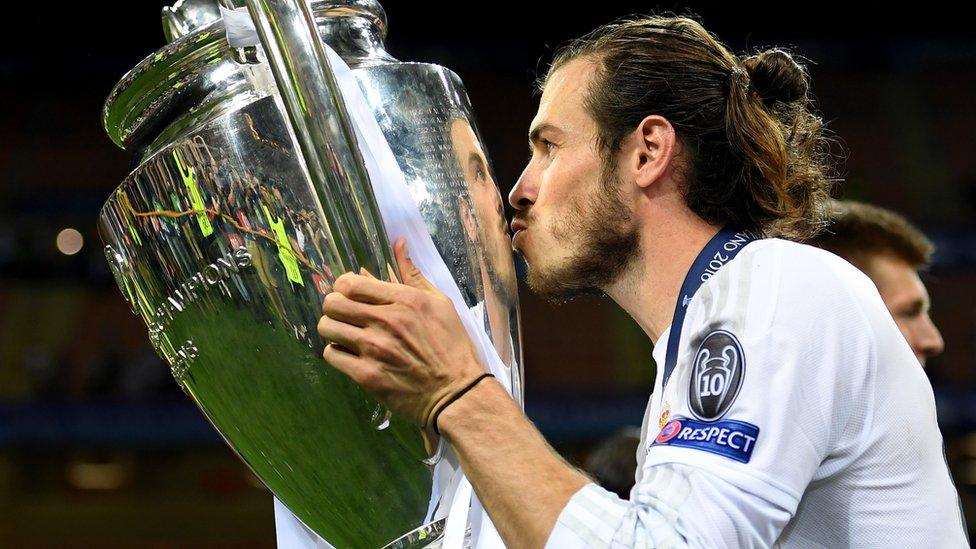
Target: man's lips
(518, 225)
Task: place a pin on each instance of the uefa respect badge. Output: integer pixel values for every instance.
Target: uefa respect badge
(730, 438)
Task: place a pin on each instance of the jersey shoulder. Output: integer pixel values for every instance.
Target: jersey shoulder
(773, 282)
(801, 264)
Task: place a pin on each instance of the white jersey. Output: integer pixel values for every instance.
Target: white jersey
(796, 416)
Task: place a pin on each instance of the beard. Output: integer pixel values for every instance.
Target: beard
(499, 268)
(606, 240)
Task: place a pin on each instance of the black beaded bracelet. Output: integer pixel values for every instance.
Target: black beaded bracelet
(456, 396)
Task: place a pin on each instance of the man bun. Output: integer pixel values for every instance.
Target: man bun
(777, 77)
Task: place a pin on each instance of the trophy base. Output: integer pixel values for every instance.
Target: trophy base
(428, 536)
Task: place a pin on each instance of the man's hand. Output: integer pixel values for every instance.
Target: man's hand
(404, 343)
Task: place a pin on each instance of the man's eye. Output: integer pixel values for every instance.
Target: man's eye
(911, 312)
(546, 145)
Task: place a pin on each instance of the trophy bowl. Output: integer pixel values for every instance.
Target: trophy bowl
(225, 242)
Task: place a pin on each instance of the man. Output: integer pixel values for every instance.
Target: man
(784, 411)
(884, 246)
(486, 238)
(887, 248)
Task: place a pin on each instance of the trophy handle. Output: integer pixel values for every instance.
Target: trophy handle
(307, 87)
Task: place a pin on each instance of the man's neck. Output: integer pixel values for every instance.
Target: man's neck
(649, 288)
(497, 312)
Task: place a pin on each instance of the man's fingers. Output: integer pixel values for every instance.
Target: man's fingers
(355, 367)
(342, 359)
(344, 334)
(389, 271)
(408, 271)
(339, 307)
(365, 289)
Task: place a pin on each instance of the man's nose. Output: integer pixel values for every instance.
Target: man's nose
(928, 339)
(524, 192)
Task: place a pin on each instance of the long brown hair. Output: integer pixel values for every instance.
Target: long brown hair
(757, 153)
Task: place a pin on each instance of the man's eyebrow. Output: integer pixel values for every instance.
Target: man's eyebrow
(476, 158)
(914, 307)
(536, 131)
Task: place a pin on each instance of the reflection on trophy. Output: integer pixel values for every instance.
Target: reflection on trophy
(249, 197)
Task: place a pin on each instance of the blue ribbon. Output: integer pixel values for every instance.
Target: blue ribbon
(721, 249)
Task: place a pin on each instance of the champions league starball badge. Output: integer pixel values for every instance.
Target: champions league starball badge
(716, 376)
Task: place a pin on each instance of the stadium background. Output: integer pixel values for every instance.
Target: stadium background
(98, 446)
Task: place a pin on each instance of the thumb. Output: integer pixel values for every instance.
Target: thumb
(409, 273)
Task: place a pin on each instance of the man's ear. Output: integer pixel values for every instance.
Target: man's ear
(468, 221)
(653, 146)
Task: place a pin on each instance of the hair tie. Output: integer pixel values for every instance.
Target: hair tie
(456, 396)
(738, 76)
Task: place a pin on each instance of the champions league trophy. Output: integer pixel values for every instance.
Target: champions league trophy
(251, 193)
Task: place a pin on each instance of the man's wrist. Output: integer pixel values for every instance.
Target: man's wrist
(452, 398)
(471, 409)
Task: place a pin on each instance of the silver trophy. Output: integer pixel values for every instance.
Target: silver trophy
(249, 197)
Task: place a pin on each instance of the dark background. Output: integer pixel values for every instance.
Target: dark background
(98, 446)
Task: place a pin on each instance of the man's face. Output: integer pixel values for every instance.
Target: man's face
(486, 224)
(573, 229)
(908, 301)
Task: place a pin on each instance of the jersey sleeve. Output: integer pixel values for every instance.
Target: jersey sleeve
(674, 505)
(772, 383)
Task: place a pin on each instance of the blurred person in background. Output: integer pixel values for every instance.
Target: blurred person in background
(891, 251)
(612, 463)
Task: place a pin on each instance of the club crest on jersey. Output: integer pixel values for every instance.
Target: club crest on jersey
(665, 416)
(716, 376)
